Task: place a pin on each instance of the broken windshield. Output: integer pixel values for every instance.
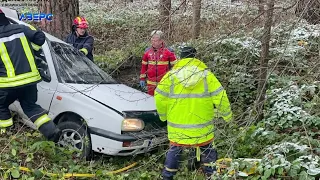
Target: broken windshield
(74, 67)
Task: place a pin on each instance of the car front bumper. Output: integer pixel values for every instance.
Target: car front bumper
(135, 142)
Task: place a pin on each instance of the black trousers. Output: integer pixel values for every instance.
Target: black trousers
(27, 96)
(171, 164)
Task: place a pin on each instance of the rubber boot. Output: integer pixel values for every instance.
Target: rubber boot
(55, 136)
(166, 178)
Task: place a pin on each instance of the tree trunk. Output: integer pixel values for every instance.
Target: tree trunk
(309, 10)
(264, 58)
(196, 19)
(165, 8)
(64, 11)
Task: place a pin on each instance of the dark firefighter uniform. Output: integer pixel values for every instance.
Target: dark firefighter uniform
(19, 76)
(82, 42)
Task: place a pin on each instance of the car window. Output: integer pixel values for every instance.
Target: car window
(74, 67)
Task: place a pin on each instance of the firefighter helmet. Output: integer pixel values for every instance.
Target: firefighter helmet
(81, 22)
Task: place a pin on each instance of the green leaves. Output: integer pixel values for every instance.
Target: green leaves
(280, 171)
(13, 152)
(267, 173)
(15, 173)
(313, 171)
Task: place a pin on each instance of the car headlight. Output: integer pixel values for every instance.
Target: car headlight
(131, 124)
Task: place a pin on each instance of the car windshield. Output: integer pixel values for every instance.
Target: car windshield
(74, 67)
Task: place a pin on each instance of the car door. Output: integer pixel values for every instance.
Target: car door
(48, 86)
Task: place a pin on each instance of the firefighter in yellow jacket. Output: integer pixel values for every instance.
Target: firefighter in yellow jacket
(19, 76)
(190, 97)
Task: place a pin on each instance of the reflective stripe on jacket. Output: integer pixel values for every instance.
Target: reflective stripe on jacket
(155, 64)
(17, 65)
(188, 97)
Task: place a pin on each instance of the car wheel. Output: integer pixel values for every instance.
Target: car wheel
(75, 136)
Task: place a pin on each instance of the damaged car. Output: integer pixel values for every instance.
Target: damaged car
(95, 112)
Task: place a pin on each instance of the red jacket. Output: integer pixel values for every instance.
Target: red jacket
(156, 63)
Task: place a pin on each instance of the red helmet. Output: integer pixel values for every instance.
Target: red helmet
(80, 22)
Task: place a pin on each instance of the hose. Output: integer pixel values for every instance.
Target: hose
(68, 175)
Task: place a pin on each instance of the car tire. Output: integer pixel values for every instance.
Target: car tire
(77, 135)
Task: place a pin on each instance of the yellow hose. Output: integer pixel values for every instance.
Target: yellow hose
(80, 175)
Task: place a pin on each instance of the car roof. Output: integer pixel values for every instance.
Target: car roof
(10, 12)
(13, 15)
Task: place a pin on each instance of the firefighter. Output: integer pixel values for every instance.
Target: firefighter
(80, 38)
(189, 97)
(156, 62)
(19, 76)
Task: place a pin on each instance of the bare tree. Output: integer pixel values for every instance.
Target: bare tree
(261, 6)
(264, 58)
(183, 6)
(196, 18)
(309, 10)
(165, 8)
(64, 11)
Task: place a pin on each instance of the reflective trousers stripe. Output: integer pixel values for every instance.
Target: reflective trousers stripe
(189, 126)
(144, 62)
(6, 60)
(42, 120)
(171, 170)
(208, 164)
(6, 123)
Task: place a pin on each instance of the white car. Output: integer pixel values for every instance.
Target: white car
(95, 112)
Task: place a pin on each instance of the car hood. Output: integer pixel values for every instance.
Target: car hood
(118, 96)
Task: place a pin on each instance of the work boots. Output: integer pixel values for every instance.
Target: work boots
(166, 178)
(55, 136)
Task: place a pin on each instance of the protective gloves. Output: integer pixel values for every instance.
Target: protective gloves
(142, 84)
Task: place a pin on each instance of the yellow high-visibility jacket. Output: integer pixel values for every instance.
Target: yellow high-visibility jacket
(17, 45)
(190, 98)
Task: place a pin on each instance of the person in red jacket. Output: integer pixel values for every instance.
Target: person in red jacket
(156, 62)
